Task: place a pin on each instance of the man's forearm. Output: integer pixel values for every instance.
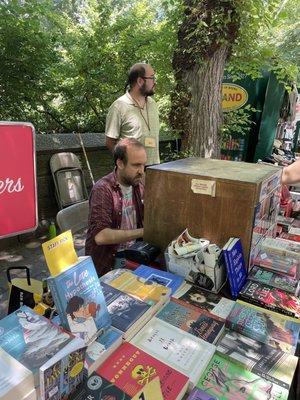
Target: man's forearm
(117, 236)
(291, 174)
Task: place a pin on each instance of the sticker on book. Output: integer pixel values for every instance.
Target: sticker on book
(151, 391)
(201, 186)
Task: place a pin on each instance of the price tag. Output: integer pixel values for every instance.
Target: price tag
(151, 391)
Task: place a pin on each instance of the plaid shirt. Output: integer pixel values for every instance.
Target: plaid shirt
(106, 202)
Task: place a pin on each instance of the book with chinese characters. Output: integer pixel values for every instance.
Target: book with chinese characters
(265, 361)
(164, 278)
(79, 300)
(235, 265)
(225, 379)
(127, 313)
(271, 298)
(273, 279)
(130, 369)
(274, 330)
(206, 300)
(193, 320)
(179, 349)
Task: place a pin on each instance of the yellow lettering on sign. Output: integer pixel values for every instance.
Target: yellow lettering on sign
(233, 96)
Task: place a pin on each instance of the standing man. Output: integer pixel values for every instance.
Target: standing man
(116, 206)
(135, 114)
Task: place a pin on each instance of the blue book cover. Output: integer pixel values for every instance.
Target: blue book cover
(164, 278)
(79, 299)
(124, 309)
(235, 265)
(31, 339)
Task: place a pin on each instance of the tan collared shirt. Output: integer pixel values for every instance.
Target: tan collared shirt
(125, 119)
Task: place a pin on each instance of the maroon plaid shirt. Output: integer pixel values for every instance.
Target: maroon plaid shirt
(106, 202)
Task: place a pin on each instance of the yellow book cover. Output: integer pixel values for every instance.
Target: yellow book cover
(150, 292)
(151, 391)
(60, 253)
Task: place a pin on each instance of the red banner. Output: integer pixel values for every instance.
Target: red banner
(18, 197)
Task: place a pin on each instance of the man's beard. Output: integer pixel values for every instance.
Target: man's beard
(128, 181)
(146, 92)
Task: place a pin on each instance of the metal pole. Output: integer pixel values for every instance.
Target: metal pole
(86, 158)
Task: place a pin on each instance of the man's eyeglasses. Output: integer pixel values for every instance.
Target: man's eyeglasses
(149, 77)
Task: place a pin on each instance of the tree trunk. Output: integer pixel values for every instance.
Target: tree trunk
(204, 83)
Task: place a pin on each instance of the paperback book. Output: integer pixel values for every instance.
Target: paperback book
(271, 298)
(182, 351)
(273, 279)
(282, 247)
(127, 312)
(235, 265)
(273, 330)
(198, 394)
(278, 263)
(130, 369)
(260, 358)
(208, 301)
(193, 320)
(164, 278)
(79, 299)
(33, 340)
(224, 380)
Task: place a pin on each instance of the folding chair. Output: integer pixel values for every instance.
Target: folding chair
(74, 217)
(68, 179)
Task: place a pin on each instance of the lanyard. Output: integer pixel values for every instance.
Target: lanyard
(147, 122)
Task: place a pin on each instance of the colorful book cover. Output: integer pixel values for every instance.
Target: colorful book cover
(270, 278)
(60, 253)
(164, 278)
(198, 394)
(15, 379)
(97, 387)
(79, 299)
(125, 310)
(235, 265)
(150, 292)
(282, 247)
(60, 376)
(31, 339)
(260, 358)
(191, 319)
(182, 351)
(101, 348)
(151, 391)
(226, 380)
(273, 330)
(278, 263)
(271, 298)
(208, 301)
(130, 369)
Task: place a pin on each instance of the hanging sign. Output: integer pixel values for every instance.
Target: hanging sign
(18, 196)
(233, 96)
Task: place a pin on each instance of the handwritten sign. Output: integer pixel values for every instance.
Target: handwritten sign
(18, 197)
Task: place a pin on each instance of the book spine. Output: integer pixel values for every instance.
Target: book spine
(58, 304)
(249, 299)
(230, 273)
(41, 389)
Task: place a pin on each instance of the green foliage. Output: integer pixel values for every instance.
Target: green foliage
(238, 121)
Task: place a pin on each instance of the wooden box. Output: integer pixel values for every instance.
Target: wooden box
(214, 199)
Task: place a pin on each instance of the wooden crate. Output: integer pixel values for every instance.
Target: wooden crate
(179, 195)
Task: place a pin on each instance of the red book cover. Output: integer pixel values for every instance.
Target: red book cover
(130, 369)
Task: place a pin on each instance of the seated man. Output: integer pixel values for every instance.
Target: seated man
(116, 206)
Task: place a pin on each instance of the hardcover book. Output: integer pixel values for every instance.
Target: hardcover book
(15, 379)
(191, 319)
(127, 312)
(271, 298)
(79, 299)
(273, 330)
(273, 279)
(278, 263)
(149, 292)
(182, 351)
(208, 301)
(262, 359)
(97, 387)
(164, 278)
(101, 348)
(60, 376)
(224, 380)
(235, 265)
(130, 369)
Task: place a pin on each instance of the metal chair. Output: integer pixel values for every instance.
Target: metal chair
(74, 217)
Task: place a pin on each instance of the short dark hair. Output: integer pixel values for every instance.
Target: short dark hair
(136, 71)
(120, 150)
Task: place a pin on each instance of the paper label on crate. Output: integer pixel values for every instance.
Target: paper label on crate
(201, 186)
